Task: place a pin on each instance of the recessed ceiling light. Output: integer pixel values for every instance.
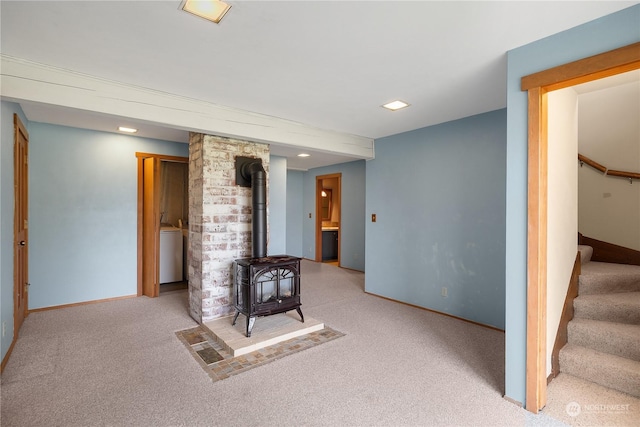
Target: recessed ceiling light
(211, 10)
(304, 155)
(395, 105)
(126, 129)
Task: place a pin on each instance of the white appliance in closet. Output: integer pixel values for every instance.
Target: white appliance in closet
(170, 254)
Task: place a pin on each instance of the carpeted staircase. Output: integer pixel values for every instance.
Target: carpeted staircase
(604, 336)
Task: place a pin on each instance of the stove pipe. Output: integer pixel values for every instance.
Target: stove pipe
(251, 170)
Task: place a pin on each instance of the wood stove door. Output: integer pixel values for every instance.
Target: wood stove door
(276, 290)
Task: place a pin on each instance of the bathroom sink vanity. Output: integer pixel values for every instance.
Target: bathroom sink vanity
(330, 243)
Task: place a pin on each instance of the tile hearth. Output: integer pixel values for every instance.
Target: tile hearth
(219, 363)
(267, 330)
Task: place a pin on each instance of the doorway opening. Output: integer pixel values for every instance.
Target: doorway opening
(328, 218)
(538, 85)
(163, 212)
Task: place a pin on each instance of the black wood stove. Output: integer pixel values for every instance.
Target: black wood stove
(263, 285)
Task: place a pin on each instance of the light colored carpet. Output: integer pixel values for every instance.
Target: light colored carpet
(599, 382)
(593, 267)
(596, 405)
(120, 364)
(601, 368)
(619, 307)
(604, 336)
(602, 277)
(619, 339)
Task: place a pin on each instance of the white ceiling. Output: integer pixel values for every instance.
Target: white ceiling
(326, 64)
(617, 80)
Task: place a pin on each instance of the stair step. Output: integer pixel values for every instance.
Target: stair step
(618, 339)
(608, 283)
(605, 369)
(618, 307)
(599, 405)
(586, 252)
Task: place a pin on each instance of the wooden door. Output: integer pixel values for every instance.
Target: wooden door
(20, 225)
(151, 227)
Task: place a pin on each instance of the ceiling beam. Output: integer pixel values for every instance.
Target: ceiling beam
(23, 80)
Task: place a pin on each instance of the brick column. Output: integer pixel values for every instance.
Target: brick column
(219, 221)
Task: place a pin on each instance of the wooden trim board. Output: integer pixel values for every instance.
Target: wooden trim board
(565, 318)
(6, 356)
(76, 304)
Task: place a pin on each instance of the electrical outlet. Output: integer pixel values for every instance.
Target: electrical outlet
(4, 328)
(444, 292)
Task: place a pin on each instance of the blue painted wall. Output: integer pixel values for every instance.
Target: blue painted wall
(601, 35)
(352, 245)
(7, 110)
(295, 213)
(439, 197)
(277, 205)
(83, 213)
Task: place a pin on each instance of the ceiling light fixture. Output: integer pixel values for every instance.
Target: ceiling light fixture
(304, 155)
(126, 129)
(211, 10)
(395, 105)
